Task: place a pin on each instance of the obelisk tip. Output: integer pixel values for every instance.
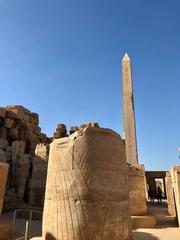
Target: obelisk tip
(126, 57)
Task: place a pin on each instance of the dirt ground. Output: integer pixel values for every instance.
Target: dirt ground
(166, 229)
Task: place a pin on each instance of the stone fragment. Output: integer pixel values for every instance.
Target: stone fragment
(13, 133)
(73, 129)
(10, 114)
(35, 118)
(137, 189)
(2, 112)
(8, 156)
(4, 141)
(39, 172)
(170, 195)
(9, 123)
(175, 178)
(2, 155)
(3, 178)
(86, 191)
(3, 133)
(60, 131)
(90, 124)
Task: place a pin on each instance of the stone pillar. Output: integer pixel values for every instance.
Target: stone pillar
(128, 112)
(175, 176)
(170, 195)
(87, 196)
(3, 178)
(39, 173)
(137, 190)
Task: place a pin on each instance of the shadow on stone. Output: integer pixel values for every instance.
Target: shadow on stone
(143, 236)
(49, 236)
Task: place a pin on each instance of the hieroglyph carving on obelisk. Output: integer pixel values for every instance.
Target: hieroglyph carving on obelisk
(128, 112)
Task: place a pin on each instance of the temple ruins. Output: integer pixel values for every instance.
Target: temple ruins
(87, 181)
(3, 178)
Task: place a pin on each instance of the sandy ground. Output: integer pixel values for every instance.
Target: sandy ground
(166, 228)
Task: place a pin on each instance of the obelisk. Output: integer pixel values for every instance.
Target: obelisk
(128, 112)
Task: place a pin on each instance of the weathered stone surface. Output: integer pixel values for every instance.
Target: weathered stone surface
(170, 195)
(128, 112)
(3, 133)
(9, 122)
(19, 135)
(73, 129)
(2, 112)
(3, 177)
(2, 155)
(90, 124)
(39, 173)
(87, 188)
(137, 190)
(175, 177)
(60, 131)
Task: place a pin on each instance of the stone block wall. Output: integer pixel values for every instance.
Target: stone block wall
(3, 178)
(19, 135)
(175, 178)
(170, 195)
(137, 190)
(38, 177)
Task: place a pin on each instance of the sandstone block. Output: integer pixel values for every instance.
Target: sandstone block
(175, 178)
(86, 191)
(13, 133)
(3, 178)
(35, 118)
(73, 129)
(137, 190)
(3, 133)
(4, 141)
(9, 123)
(170, 195)
(10, 114)
(2, 155)
(2, 112)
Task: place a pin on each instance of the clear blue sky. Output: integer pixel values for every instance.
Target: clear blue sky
(62, 59)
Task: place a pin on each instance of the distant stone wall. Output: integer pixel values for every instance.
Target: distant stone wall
(19, 135)
(150, 179)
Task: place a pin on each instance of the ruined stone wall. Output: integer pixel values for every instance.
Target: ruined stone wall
(19, 135)
(38, 177)
(175, 177)
(3, 178)
(87, 193)
(170, 195)
(137, 190)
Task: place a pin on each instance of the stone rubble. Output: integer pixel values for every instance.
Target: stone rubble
(19, 135)
(26, 149)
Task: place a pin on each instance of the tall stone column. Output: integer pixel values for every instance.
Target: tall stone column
(128, 112)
